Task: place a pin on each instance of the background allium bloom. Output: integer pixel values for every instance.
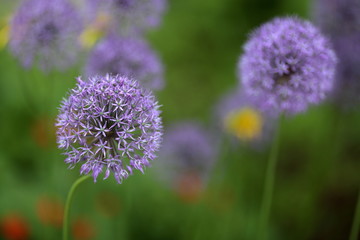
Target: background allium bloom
(239, 116)
(336, 17)
(45, 32)
(109, 123)
(126, 56)
(289, 64)
(347, 86)
(340, 19)
(187, 151)
(130, 15)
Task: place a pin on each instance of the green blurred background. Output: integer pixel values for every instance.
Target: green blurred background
(199, 42)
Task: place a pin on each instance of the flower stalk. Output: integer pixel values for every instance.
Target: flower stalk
(356, 222)
(68, 204)
(269, 184)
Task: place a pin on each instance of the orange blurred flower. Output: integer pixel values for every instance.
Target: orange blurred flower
(43, 132)
(189, 187)
(50, 211)
(83, 229)
(14, 227)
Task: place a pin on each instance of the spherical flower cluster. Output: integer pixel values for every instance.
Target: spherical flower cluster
(347, 86)
(239, 116)
(187, 151)
(337, 17)
(340, 19)
(109, 123)
(45, 32)
(126, 56)
(288, 64)
(130, 15)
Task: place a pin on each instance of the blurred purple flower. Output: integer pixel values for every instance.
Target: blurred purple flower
(109, 123)
(287, 64)
(347, 85)
(340, 19)
(132, 16)
(187, 149)
(337, 17)
(46, 32)
(126, 56)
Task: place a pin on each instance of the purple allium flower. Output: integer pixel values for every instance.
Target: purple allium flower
(287, 64)
(340, 19)
(126, 56)
(45, 32)
(336, 17)
(109, 124)
(130, 15)
(240, 117)
(347, 86)
(187, 150)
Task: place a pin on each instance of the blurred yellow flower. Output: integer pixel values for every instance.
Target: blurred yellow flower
(4, 31)
(89, 37)
(94, 31)
(245, 123)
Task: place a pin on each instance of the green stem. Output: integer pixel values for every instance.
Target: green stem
(68, 203)
(269, 184)
(356, 222)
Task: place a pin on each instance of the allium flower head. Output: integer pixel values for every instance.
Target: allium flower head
(288, 64)
(130, 15)
(45, 32)
(126, 56)
(336, 17)
(347, 86)
(239, 116)
(340, 19)
(187, 151)
(109, 124)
